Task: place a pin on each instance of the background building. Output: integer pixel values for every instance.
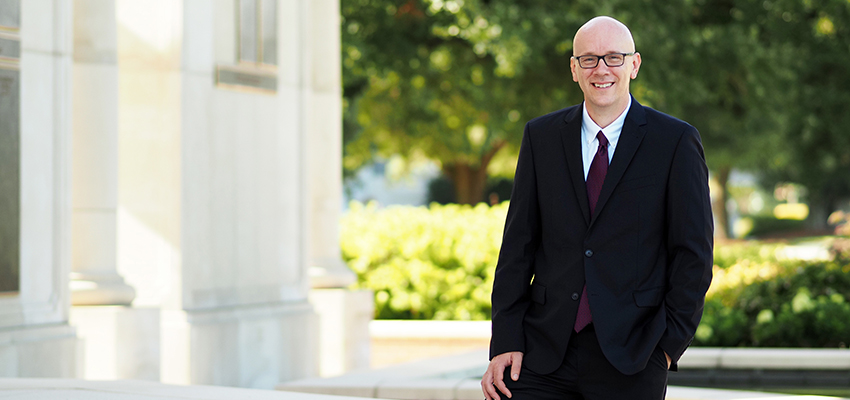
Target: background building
(173, 168)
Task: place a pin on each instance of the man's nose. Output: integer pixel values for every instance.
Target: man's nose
(602, 68)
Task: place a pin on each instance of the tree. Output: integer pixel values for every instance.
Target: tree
(818, 31)
(452, 81)
(711, 64)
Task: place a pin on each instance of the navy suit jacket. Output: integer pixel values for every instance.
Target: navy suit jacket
(645, 254)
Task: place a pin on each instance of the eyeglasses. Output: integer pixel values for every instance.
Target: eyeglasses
(611, 60)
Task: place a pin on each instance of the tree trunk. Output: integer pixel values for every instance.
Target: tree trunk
(468, 180)
(819, 209)
(721, 215)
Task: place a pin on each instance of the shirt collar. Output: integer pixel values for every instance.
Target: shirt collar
(611, 132)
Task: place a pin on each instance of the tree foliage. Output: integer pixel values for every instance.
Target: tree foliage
(454, 80)
(706, 62)
(818, 31)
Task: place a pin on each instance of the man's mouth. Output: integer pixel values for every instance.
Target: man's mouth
(602, 85)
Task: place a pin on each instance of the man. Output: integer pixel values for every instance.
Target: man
(607, 250)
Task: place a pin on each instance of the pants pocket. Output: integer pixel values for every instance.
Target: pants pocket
(658, 358)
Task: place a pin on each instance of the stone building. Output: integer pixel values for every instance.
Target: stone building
(170, 185)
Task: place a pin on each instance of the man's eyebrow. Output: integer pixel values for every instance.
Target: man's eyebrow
(610, 52)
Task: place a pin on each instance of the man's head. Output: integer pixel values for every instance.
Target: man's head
(606, 88)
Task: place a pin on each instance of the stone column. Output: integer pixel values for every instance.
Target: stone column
(344, 315)
(120, 342)
(324, 119)
(35, 338)
(94, 277)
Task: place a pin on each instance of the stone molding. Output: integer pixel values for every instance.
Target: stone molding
(78, 389)
(766, 358)
(458, 378)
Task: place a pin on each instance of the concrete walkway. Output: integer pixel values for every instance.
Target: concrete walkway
(75, 389)
(443, 378)
(457, 378)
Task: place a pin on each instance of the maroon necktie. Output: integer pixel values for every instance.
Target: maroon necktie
(595, 178)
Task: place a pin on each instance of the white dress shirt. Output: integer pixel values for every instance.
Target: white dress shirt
(590, 144)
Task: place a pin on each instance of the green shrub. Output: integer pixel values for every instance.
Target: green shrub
(726, 255)
(441, 190)
(425, 263)
(438, 263)
(720, 325)
(840, 250)
(767, 225)
(791, 304)
(808, 307)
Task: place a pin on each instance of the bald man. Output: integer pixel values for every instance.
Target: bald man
(607, 251)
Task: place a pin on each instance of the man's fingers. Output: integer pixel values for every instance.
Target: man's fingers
(493, 380)
(516, 364)
(491, 392)
(500, 384)
(487, 387)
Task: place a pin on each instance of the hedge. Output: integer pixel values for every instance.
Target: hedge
(757, 303)
(437, 262)
(425, 263)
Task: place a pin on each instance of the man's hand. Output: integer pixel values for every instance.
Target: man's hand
(493, 378)
(669, 360)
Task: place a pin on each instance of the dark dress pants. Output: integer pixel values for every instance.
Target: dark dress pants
(586, 374)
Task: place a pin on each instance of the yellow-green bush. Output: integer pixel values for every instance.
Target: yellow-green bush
(425, 263)
(769, 302)
(798, 304)
(438, 263)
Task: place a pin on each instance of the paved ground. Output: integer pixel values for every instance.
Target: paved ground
(454, 378)
(74, 389)
(450, 378)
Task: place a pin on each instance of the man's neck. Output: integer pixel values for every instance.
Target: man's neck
(606, 115)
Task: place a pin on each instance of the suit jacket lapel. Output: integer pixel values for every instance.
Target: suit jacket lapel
(633, 132)
(571, 138)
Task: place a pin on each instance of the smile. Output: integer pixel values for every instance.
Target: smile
(602, 85)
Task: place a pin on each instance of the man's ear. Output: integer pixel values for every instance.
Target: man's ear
(573, 67)
(636, 65)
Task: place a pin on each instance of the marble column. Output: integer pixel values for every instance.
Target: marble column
(344, 314)
(94, 277)
(35, 338)
(324, 122)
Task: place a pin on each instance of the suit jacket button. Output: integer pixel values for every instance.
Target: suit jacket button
(574, 296)
(588, 253)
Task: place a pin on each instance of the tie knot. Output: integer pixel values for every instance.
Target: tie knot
(603, 141)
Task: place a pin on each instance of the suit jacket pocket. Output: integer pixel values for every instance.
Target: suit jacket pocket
(637, 183)
(538, 293)
(649, 297)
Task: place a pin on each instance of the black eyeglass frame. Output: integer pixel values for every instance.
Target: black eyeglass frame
(603, 58)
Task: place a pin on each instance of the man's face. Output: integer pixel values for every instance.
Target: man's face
(604, 87)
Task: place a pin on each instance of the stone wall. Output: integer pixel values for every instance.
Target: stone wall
(180, 162)
(35, 339)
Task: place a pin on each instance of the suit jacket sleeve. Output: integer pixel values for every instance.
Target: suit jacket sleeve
(690, 233)
(510, 298)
